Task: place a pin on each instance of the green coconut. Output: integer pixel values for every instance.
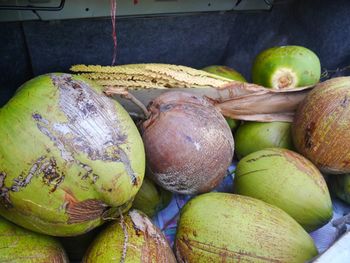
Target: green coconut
(286, 67)
(20, 245)
(151, 198)
(221, 227)
(70, 156)
(229, 73)
(225, 72)
(340, 185)
(287, 180)
(133, 238)
(254, 136)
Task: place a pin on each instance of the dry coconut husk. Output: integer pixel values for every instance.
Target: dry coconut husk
(245, 101)
(141, 83)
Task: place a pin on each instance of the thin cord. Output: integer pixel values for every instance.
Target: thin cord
(114, 30)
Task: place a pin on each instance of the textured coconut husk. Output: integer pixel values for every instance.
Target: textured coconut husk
(237, 100)
(246, 101)
(142, 83)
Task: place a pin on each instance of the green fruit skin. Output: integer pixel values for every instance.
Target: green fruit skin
(302, 61)
(287, 180)
(233, 124)
(225, 72)
(254, 136)
(72, 198)
(134, 234)
(340, 185)
(20, 245)
(151, 198)
(222, 227)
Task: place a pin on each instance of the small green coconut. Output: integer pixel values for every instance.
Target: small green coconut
(151, 198)
(20, 245)
(287, 180)
(340, 185)
(286, 67)
(133, 238)
(254, 136)
(221, 227)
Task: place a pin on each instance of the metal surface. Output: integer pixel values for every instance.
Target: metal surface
(100, 8)
(31, 7)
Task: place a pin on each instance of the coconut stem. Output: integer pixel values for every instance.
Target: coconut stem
(284, 82)
(341, 224)
(110, 91)
(284, 78)
(126, 237)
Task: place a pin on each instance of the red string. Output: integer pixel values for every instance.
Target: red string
(114, 29)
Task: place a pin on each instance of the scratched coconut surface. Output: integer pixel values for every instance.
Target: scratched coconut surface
(77, 132)
(167, 219)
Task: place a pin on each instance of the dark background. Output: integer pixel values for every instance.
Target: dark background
(31, 48)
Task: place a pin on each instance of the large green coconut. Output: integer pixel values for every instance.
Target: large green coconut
(221, 227)
(133, 238)
(69, 156)
(254, 136)
(151, 198)
(286, 67)
(20, 245)
(287, 180)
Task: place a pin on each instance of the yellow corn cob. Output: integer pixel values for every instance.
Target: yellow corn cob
(142, 76)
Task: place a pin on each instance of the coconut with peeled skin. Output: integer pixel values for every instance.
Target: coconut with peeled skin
(132, 238)
(188, 143)
(71, 156)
